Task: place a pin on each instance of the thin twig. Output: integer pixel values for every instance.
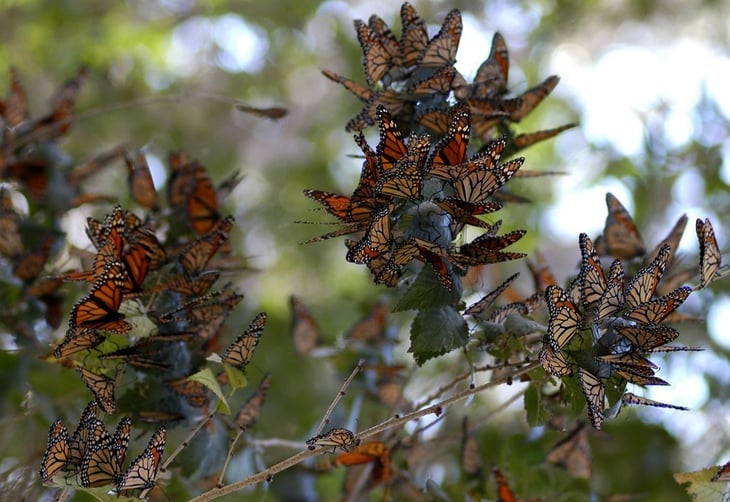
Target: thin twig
(483, 420)
(467, 374)
(219, 483)
(340, 394)
(396, 421)
(63, 496)
(190, 437)
(275, 442)
(140, 102)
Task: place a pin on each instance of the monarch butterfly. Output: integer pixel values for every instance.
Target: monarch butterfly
(190, 285)
(304, 330)
(375, 452)
(491, 78)
(486, 160)
(710, 257)
(655, 311)
(154, 417)
(142, 472)
(676, 348)
(140, 181)
(381, 29)
(61, 104)
(415, 35)
(201, 203)
(391, 147)
(612, 299)
(552, 361)
(436, 119)
(441, 49)
(621, 238)
(633, 399)
(595, 393)
(452, 149)
(573, 452)
(76, 340)
(464, 213)
(485, 249)
(361, 453)
(361, 91)
(193, 391)
(88, 431)
(15, 106)
(29, 265)
(376, 241)
(181, 173)
(99, 308)
(499, 315)
(630, 361)
(522, 141)
(480, 307)
(389, 99)
(645, 338)
(542, 276)
(523, 104)
(389, 269)
(479, 184)
(639, 379)
(207, 321)
(372, 327)
(195, 256)
(592, 277)
(341, 206)
(673, 281)
(250, 410)
(673, 238)
(440, 260)
(120, 439)
(642, 286)
(239, 353)
(439, 82)
(723, 474)
(135, 356)
(100, 465)
(405, 180)
(102, 387)
(364, 194)
(193, 306)
(55, 458)
(379, 54)
(92, 433)
(504, 492)
(336, 438)
(471, 463)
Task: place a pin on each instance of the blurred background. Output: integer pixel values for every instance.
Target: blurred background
(648, 83)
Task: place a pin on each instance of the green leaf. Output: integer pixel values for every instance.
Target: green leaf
(699, 486)
(436, 332)
(235, 377)
(207, 378)
(427, 292)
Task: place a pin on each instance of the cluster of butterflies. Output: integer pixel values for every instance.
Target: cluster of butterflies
(96, 458)
(415, 195)
(33, 165)
(623, 319)
(415, 79)
(401, 219)
(127, 251)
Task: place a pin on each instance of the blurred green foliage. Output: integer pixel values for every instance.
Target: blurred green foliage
(138, 50)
